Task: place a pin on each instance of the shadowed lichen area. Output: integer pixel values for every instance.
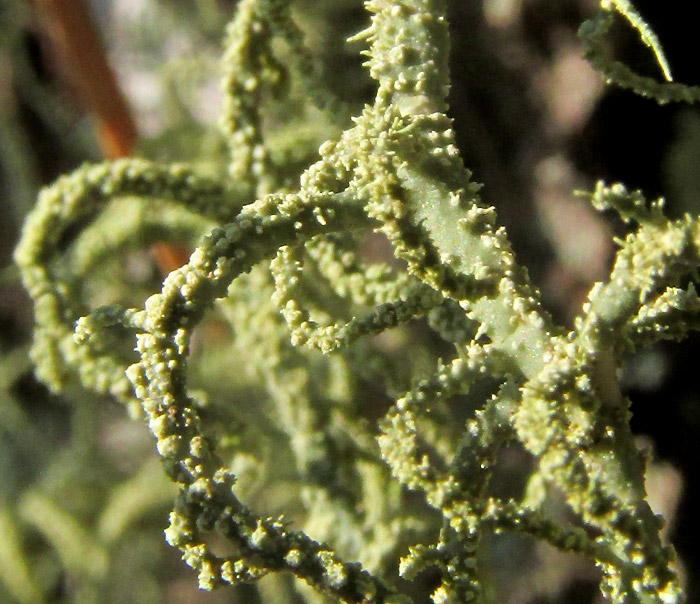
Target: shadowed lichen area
(370, 399)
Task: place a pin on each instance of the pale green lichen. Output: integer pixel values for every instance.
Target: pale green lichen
(398, 170)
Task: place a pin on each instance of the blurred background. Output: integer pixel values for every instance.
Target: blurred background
(534, 123)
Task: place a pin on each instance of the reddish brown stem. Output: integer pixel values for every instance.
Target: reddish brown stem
(78, 47)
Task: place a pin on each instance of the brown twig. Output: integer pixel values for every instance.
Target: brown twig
(77, 45)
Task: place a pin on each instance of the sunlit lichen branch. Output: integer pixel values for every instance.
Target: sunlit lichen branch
(627, 10)
(593, 32)
(207, 498)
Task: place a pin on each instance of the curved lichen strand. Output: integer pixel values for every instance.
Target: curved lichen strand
(87, 336)
(249, 66)
(159, 378)
(649, 260)
(59, 208)
(57, 356)
(400, 440)
(352, 279)
(207, 502)
(187, 292)
(86, 190)
(415, 301)
(261, 545)
(456, 488)
(512, 516)
(584, 447)
(592, 34)
(408, 53)
(305, 67)
(130, 224)
(627, 10)
(460, 495)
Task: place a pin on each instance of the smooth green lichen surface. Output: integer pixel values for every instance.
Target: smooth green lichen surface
(385, 489)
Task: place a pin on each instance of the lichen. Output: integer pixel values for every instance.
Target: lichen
(284, 269)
